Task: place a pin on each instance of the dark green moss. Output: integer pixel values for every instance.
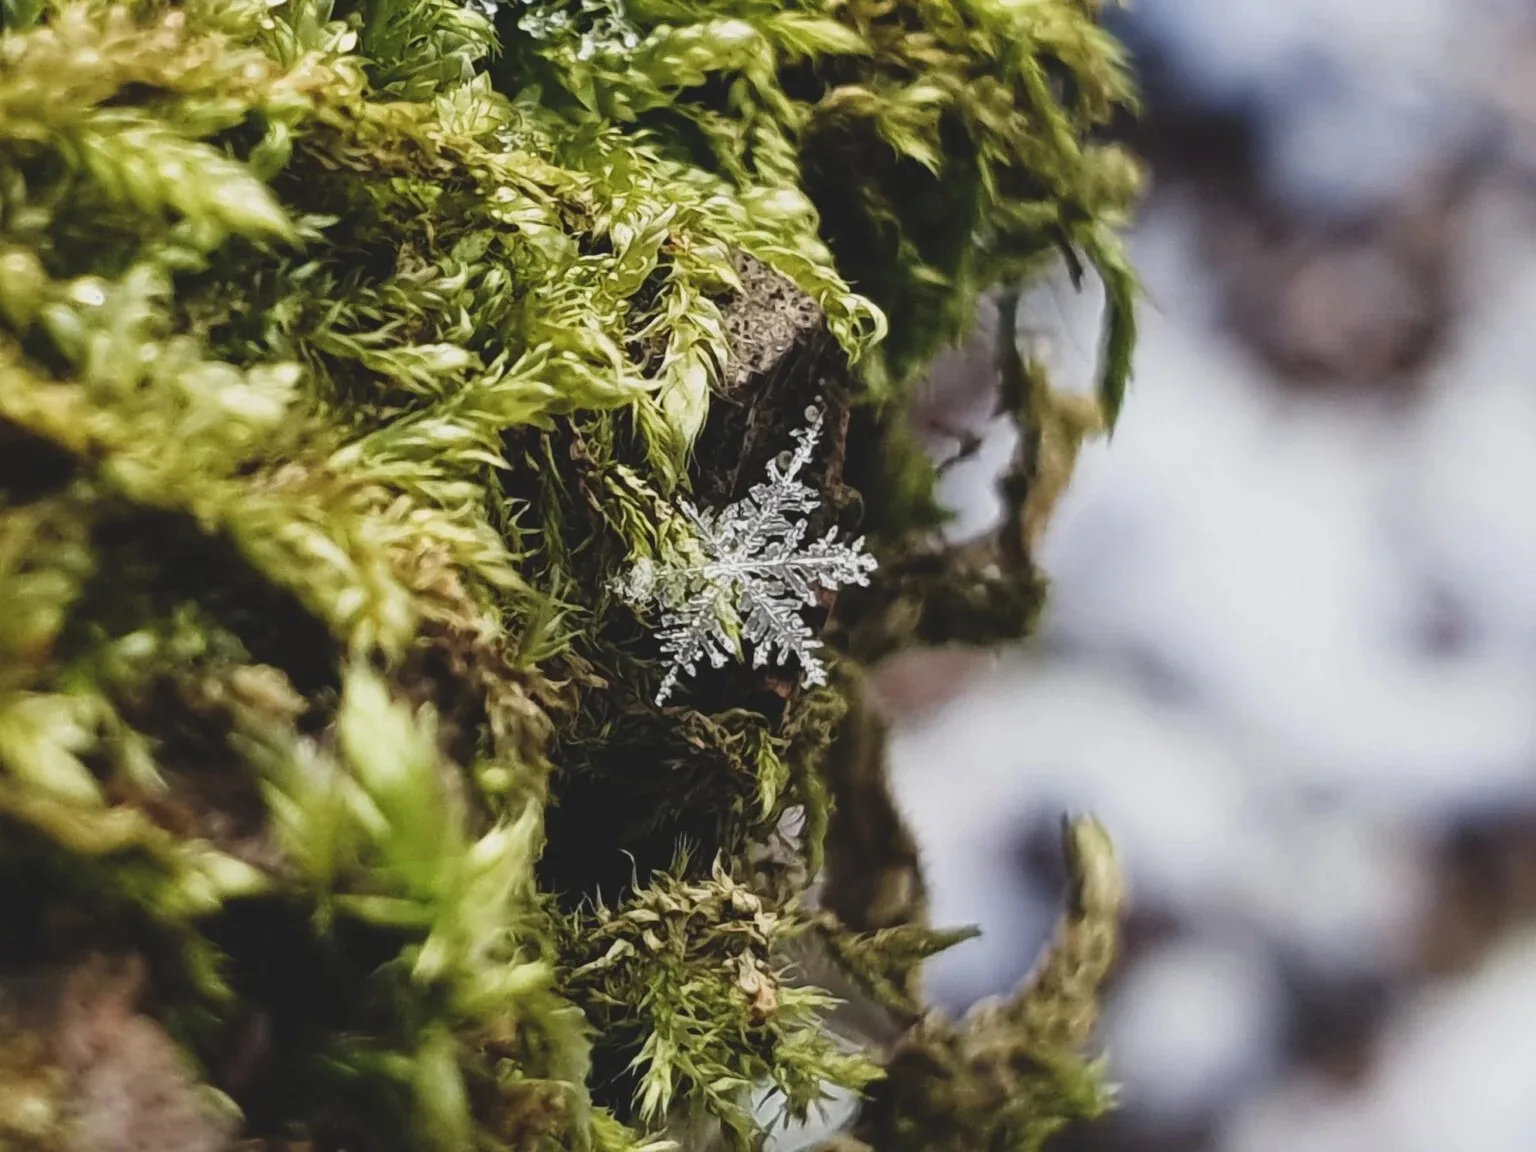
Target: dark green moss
(348, 351)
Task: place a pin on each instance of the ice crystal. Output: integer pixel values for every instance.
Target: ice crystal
(746, 572)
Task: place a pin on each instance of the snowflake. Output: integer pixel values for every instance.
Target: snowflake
(746, 572)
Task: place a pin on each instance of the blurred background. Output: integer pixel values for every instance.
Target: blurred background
(1290, 655)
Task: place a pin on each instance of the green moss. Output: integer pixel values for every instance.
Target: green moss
(347, 352)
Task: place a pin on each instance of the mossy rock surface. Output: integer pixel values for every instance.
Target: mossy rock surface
(349, 354)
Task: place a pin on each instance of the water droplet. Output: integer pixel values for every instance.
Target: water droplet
(88, 293)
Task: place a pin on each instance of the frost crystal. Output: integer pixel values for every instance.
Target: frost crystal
(747, 573)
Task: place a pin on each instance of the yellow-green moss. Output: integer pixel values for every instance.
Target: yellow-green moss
(347, 352)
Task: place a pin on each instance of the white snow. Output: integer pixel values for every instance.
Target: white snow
(1458, 1074)
(1198, 1021)
(1235, 677)
(1237, 672)
(1353, 100)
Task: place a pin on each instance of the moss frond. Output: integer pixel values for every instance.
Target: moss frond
(348, 350)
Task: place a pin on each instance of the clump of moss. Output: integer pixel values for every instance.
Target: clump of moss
(348, 352)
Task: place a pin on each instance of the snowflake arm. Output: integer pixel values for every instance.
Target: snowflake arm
(690, 634)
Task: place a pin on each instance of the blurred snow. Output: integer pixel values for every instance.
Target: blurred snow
(1292, 635)
(1352, 100)
(1200, 1021)
(1458, 1074)
(1291, 644)
(1249, 548)
(1471, 458)
(1257, 556)
(836, 1112)
(1035, 741)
